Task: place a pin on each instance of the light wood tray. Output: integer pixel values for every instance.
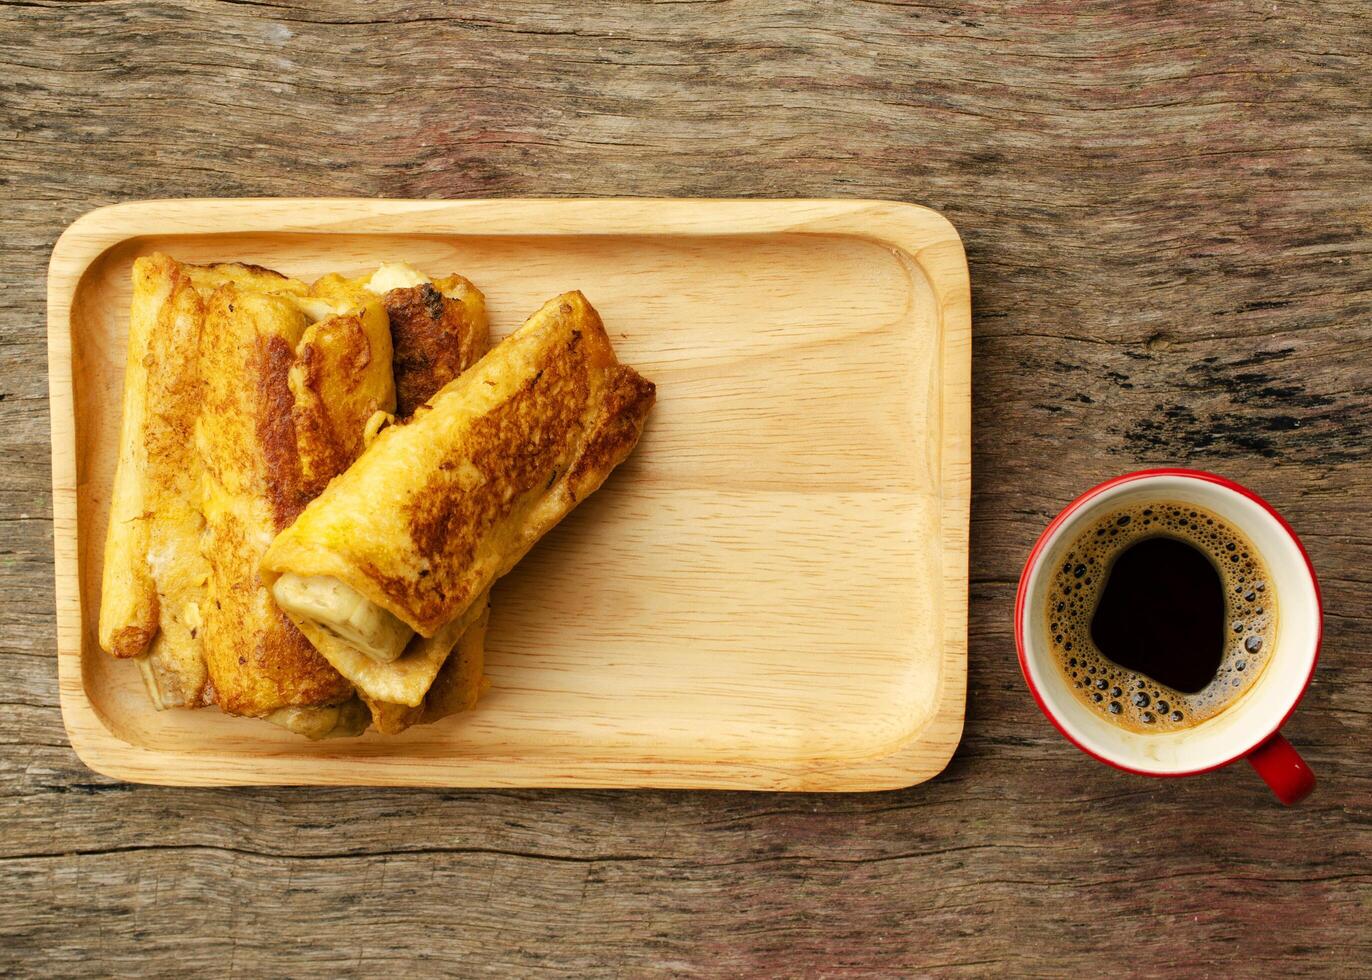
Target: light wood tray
(770, 594)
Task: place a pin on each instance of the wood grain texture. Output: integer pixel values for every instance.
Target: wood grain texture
(688, 625)
(1166, 212)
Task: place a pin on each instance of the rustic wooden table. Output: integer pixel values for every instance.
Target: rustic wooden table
(1166, 208)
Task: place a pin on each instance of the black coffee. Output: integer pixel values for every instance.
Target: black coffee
(1160, 615)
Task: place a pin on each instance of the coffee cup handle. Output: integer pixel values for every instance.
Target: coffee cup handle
(1282, 769)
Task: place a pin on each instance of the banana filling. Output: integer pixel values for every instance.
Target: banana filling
(343, 611)
(345, 720)
(395, 275)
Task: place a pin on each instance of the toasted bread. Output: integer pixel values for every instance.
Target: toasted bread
(437, 508)
(284, 408)
(154, 574)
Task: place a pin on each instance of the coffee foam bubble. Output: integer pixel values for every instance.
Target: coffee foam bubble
(1131, 699)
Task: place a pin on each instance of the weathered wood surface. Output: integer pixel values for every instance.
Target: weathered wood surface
(1166, 210)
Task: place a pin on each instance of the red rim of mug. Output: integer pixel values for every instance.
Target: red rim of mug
(1037, 551)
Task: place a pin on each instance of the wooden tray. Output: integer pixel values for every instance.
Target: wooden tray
(770, 594)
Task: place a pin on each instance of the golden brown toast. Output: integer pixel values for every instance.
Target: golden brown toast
(439, 327)
(438, 330)
(284, 407)
(437, 508)
(154, 574)
(157, 579)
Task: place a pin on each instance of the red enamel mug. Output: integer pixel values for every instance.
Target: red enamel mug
(1250, 727)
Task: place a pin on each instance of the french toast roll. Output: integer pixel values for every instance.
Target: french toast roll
(439, 329)
(439, 507)
(154, 575)
(285, 404)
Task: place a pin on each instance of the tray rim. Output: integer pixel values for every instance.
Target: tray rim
(924, 235)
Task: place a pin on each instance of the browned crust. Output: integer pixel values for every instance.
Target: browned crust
(294, 425)
(261, 664)
(392, 719)
(312, 428)
(136, 606)
(225, 267)
(288, 672)
(130, 641)
(434, 338)
(204, 699)
(171, 430)
(518, 449)
(276, 430)
(325, 443)
(259, 659)
(284, 652)
(629, 398)
(173, 391)
(575, 417)
(253, 267)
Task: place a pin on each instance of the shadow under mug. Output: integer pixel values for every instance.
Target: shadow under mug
(1249, 727)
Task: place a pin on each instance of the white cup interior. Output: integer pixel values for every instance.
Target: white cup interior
(1241, 726)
